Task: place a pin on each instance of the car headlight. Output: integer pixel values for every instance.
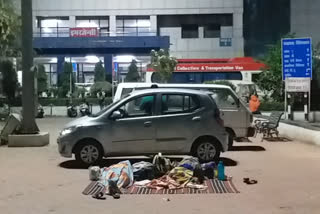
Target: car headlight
(68, 130)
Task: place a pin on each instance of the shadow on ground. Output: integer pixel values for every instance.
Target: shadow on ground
(243, 140)
(229, 162)
(73, 164)
(248, 148)
(277, 139)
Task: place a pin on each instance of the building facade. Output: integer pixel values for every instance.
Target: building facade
(115, 32)
(304, 19)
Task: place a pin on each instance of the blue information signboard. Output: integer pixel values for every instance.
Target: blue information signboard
(297, 58)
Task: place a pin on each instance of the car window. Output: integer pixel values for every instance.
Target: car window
(224, 98)
(126, 91)
(177, 103)
(138, 107)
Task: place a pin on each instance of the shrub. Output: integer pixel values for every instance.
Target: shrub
(133, 73)
(271, 106)
(101, 87)
(99, 72)
(42, 79)
(64, 80)
(9, 79)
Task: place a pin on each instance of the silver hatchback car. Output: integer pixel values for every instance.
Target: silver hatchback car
(170, 121)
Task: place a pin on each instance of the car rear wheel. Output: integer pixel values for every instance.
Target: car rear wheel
(89, 153)
(207, 150)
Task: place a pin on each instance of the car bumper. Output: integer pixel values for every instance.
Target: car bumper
(64, 147)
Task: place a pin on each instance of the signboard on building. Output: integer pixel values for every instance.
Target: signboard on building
(297, 84)
(297, 58)
(225, 42)
(216, 67)
(84, 32)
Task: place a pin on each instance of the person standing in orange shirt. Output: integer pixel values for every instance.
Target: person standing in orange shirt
(254, 104)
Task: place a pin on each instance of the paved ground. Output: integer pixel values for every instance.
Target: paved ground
(38, 180)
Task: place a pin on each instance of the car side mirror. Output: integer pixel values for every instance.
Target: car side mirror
(116, 115)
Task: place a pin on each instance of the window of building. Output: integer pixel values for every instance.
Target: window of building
(53, 26)
(212, 31)
(177, 103)
(190, 31)
(221, 76)
(51, 71)
(133, 26)
(100, 22)
(85, 72)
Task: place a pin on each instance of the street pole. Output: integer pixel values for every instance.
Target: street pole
(28, 125)
(71, 87)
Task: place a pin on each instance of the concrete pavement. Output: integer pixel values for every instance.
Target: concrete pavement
(38, 180)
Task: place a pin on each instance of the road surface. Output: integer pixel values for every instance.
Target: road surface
(38, 181)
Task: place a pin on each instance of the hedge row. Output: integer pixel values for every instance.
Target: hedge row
(59, 101)
(271, 106)
(64, 101)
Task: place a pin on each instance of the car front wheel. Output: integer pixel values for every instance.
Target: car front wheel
(89, 153)
(207, 150)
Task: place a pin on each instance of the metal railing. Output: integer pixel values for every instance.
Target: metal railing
(65, 32)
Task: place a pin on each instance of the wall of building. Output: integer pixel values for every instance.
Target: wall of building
(182, 48)
(133, 7)
(264, 23)
(200, 47)
(305, 19)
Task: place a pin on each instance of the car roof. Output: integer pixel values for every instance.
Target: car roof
(161, 85)
(169, 90)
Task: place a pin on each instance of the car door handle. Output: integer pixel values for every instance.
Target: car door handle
(196, 118)
(147, 124)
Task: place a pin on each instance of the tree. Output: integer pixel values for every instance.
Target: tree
(42, 79)
(163, 64)
(133, 74)
(315, 83)
(99, 72)
(9, 30)
(64, 80)
(9, 79)
(271, 78)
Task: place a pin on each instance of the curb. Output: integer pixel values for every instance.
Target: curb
(299, 133)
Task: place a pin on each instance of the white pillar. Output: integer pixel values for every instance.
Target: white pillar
(113, 25)
(36, 31)
(72, 21)
(154, 24)
(237, 40)
(238, 23)
(201, 32)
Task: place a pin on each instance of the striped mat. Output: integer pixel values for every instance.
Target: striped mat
(214, 186)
